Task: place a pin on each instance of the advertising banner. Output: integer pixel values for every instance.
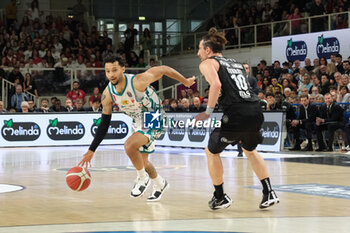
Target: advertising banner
(311, 45)
(60, 129)
(20, 130)
(197, 137)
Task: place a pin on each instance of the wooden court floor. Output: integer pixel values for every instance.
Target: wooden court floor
(314, 193)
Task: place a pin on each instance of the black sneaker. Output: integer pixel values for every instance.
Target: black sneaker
(157, 193)
(222, 203)
(269, 200)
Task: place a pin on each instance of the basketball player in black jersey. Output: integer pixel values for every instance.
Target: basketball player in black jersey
(241, 121)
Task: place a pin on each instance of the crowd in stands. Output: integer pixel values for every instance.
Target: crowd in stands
(244, 13)
(315, 97)
(36, 41)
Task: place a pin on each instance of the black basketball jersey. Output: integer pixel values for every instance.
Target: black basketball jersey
(235, 87)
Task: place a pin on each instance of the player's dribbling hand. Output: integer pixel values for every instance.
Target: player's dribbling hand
(86, 160)
(190, 81)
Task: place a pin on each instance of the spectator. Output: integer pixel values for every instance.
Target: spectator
(331, 118)
(343, 95)
(145, 42)
(306, 83)
(95, 95)
(346, 67)
(2, 110)
(339, 63)
(197, 107)
(306, 120)
(252, 80)
(78, 12)
(173, 106)
(276, 85)
(295, 23)
(130, 36)
(96, 106)
(69, 105)
(166, 105)
(24, 107)
(79, 106)
(317, 8)
(33, 12)
(18, 98)
(16, 74)
(185, 105)
(324, 84)
(29, 85)
(141, 63)
(76, 93)
(308, 65)
(31, 106)
(44, 107)
(11, 13)
(57, 107)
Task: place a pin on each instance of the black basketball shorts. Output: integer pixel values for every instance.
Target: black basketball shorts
(241, 122)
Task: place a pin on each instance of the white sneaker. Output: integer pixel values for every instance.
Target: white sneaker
(157, 193)
(140, 187)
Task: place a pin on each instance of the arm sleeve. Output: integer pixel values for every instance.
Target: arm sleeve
(101, 131)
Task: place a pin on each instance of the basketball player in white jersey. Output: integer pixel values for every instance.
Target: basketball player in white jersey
(134, 95)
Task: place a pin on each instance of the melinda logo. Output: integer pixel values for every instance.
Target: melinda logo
(296, 50)
(65, 130)
(270, 131)
(20, 131)
(116, 129)
(327, 46)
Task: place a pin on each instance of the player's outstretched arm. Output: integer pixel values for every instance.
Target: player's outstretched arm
(141, 81)
(102, 129)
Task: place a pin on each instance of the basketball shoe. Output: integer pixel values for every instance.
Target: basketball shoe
(222, 203)
(140, 186)
(269, 199)
(157, 193)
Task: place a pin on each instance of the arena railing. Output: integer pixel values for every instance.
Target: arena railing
(248, 36)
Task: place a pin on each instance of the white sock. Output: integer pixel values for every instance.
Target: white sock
(158, 181)
(141, 174)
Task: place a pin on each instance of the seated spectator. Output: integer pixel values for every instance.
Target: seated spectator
(76, 93)
(185, 105)
(346, 67)
(306, 83)
(79, 106)
(344, 81)
(95, 95)
(141, 63)
(324, 84)
(197, 107)
(308, 65)
(24, 107)
(331, 118)
(343, 95)
(69, 105)
(18, 98)
(32, 107)
(96, 106)
(276, 85)
(2, 110)
(166, 105)
(173, 106)
(275, 102)
(44, 107)
(306, 120)
(57, 107)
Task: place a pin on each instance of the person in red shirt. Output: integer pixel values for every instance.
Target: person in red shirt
(95, 95)
(76, 93)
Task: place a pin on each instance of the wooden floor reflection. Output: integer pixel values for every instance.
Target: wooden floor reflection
(47, 200)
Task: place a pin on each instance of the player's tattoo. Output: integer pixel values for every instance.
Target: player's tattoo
(103, 96)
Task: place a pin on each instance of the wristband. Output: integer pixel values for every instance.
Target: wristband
(209, 110)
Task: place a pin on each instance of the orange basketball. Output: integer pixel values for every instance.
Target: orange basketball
(78, 178)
